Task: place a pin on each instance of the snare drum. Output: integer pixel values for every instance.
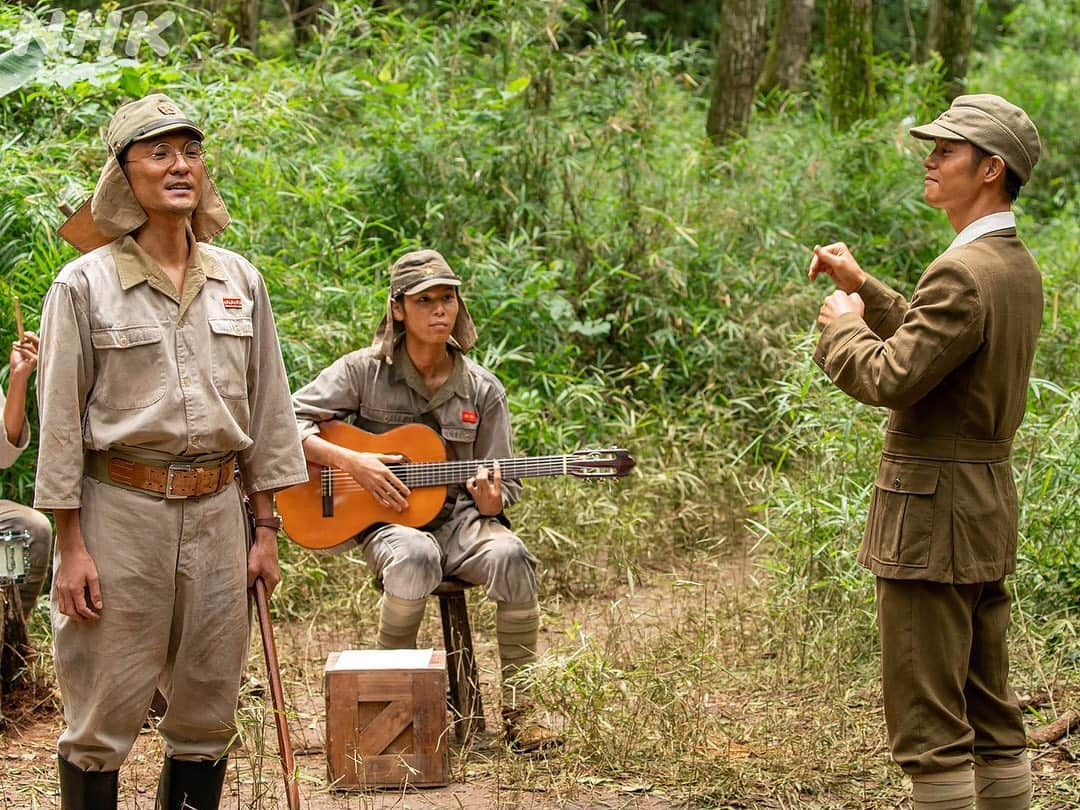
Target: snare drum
(14, 557)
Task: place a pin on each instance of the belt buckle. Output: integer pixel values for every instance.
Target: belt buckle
(173, 470)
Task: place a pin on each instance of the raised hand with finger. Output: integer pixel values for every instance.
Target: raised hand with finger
(838, 263)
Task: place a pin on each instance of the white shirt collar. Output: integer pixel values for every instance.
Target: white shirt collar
(983, 226)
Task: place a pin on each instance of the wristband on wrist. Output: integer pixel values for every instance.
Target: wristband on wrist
(272, 522)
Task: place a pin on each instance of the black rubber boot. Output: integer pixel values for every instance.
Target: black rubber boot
(191, 785)
(86, 790)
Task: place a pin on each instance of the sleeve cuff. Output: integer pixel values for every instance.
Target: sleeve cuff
(20, 445)
(878, 298)
(280, 482)
(849, 321)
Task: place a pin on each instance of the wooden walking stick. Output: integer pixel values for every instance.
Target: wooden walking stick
(277, 696)
(273, 671)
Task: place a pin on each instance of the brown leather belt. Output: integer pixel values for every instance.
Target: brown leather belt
(176, 479)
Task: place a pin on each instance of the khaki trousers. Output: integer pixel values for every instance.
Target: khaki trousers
(945, 672)
(174, 616)
(14, 517)
(411, 563)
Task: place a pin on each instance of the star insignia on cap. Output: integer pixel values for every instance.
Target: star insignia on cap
(165, 108)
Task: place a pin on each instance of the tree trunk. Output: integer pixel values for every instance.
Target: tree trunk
(790, 46)
(249, 24)
(951, 28)
(305, 20)
(849, 59)
(738, 62)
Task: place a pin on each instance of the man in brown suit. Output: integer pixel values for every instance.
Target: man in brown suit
(952, 365)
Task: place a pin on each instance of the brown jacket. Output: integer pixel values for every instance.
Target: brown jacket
(953, 366)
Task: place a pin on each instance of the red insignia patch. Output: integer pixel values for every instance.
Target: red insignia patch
(469, 416)
(232, 303)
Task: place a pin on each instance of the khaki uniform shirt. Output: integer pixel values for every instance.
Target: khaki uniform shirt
(126, 361)
(10, 452)
(469, 410)
(953, 367)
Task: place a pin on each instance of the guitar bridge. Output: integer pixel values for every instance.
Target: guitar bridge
(327, 487)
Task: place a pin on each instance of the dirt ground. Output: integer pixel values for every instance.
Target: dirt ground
(34, 721)
(484, 775)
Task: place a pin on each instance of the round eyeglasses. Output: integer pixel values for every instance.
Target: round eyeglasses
(165, 155)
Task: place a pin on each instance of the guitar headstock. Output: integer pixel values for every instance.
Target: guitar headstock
(610, 463)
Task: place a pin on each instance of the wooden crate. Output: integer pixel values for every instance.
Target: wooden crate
(386, 727)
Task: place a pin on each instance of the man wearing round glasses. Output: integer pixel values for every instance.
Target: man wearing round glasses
(160, 374)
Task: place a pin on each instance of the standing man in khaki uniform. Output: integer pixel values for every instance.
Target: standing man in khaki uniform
(160, 374)
(416, 371)
(952, 364)
(14, 517)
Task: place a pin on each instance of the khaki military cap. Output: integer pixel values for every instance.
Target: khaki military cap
(994, 125)
(155, 114)
(420, 270)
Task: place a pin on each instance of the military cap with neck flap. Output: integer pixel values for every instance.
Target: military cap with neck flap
(113, 211)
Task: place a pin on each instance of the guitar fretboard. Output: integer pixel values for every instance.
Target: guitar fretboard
(440, 473)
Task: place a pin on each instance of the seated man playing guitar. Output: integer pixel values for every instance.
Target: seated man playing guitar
(416, 371)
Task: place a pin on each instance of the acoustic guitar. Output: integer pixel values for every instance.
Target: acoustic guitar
(332, 507)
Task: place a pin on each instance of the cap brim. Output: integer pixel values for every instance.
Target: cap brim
(928, 132)
(163, 128)
(428, 283)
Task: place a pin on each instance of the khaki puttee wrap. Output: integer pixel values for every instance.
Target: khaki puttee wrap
(1003, 787)
(399, 622)
(517, 626)
(948, 790)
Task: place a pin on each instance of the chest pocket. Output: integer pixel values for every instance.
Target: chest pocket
(459, 434)
(380, 420)
(131, 366)
(230, 348)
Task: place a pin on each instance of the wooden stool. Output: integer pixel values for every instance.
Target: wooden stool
(461, 671)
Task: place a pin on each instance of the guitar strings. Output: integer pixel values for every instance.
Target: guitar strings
(438, 473)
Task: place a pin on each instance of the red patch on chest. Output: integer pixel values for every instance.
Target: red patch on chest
(469, 416)
(232, 303)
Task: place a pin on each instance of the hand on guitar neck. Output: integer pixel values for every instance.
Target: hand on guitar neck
(486, 490)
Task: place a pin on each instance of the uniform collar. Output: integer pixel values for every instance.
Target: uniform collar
(998, 221)
(404, 370)
(135, 266)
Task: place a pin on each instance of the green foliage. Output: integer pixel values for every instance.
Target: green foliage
(626, 278)
(632, 285)
(1036, 66)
